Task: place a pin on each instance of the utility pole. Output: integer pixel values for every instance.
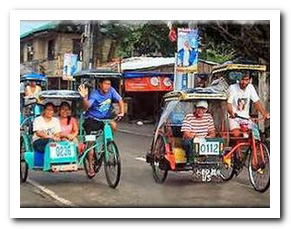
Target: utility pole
(91, 45)
(192, 77)
(88, 46)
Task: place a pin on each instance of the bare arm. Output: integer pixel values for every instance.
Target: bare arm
(121, 107)
(86, 103)
(230, 110)
(26, 91)
(75, 130)
(42, 134)
(259, 106)
(188, 135)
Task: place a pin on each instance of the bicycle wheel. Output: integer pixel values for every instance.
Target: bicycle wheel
(260, 174)
(227, 170)
(23, 163)
(112, 165)
(159, 174)
(96, 162)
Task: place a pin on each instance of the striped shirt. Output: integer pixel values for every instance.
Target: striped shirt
(200, 126)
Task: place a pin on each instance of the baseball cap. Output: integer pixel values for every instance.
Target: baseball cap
(202, 103)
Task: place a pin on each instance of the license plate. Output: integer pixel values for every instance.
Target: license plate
(62, 151)
(90, 138)
(208, 148)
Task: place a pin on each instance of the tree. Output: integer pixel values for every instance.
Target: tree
(249, 40)
(147, 39)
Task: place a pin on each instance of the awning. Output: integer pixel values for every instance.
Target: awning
(128, 75)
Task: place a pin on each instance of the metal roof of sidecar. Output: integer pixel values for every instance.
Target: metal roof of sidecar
(59, 94)
(33, 77)
(195, 94)
(98, 73)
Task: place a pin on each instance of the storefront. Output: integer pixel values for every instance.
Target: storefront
(143, 92)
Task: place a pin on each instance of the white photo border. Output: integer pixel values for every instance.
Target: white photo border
(272, 15)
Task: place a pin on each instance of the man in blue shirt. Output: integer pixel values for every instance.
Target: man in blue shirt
(99, 106)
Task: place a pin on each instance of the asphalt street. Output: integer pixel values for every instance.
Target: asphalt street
(137, 187)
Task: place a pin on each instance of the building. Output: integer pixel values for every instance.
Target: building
(42, 49)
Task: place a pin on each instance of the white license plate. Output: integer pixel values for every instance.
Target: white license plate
(62, 151)
(90, 138)
(209, 148)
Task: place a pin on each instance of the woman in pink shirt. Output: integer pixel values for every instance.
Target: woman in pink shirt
(69, 125)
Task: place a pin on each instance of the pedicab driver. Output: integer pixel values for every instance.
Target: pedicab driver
(197, 124)
(99, 106)
(238, 103)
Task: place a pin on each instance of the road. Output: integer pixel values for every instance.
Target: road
(137, 187)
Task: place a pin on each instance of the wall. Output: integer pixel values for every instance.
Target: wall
(63, 44)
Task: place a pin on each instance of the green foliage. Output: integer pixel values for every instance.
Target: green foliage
(148, 39)
(218, 53)
(220, 40)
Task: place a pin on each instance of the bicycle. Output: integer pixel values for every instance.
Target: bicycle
(257, 155)
(105, 150)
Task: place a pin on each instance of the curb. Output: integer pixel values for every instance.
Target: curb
(51, 194)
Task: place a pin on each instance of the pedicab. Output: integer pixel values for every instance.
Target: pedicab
(211, 157)
(68, 156)
(167, 154)
(28, 108)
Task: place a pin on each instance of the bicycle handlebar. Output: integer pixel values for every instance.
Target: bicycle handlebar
(249, 119)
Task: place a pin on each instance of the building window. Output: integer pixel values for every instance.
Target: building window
(30, 52)
(53, 83)
(77, 48)
(64, 84)
(51, 50)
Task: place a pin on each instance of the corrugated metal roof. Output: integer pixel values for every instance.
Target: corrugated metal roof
(146, 62)
(38, 28)
(135, 63)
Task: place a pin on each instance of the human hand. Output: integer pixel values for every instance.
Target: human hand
(56, 138)
(189, 135)
(233, 115)
(70, 137)
(83, 90)
(120, 116)
(266, 115)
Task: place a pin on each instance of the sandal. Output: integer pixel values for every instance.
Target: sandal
(91, 173)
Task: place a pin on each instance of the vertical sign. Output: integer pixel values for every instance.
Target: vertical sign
(70, 65)
(187, 57)
(188, 44)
